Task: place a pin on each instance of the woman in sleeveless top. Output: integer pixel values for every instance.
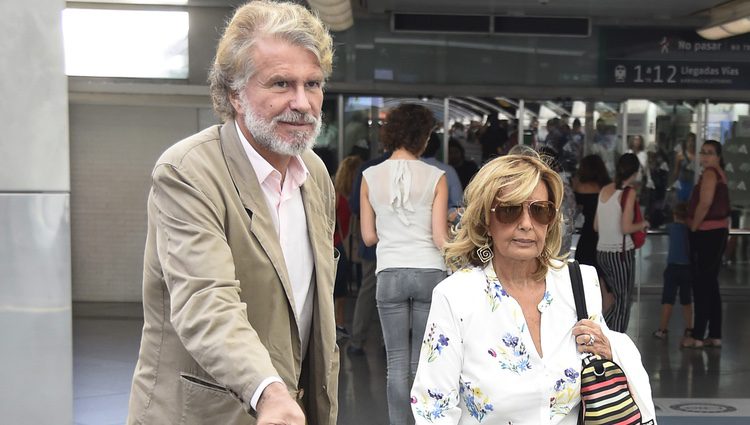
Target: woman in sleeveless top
(591, 177)
(616, 259)
(708, 213)
(404, 207)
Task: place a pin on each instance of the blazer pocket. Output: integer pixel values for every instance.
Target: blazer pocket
(206, 402)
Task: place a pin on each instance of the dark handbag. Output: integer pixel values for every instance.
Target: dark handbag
(639, 237)
(719, 208)
(605, 397)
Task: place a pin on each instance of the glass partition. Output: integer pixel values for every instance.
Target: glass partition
(375, 53)
(363, 116)
(327, 143)
(729, 123)
(664, 132)
(605, 138)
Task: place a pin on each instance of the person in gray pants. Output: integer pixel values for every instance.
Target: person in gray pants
(364, 308)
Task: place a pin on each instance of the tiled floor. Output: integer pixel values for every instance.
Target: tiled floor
(105, 349)
(705, 386)
(104, 354)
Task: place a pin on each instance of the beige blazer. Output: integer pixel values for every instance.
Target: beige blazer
(217, 300)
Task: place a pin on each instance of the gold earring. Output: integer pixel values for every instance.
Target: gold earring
(485, 253)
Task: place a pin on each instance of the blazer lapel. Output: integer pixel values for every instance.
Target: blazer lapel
(254, 201)
(322, 243)
(316, 216)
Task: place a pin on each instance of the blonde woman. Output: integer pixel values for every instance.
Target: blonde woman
(502, 343)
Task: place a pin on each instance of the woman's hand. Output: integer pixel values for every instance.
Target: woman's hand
(590, 339)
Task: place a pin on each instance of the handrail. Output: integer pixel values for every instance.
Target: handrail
(660, 232)
(732, 232)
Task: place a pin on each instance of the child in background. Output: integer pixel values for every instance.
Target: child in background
(677, 275)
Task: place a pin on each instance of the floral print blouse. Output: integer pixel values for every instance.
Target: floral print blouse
(478, 363)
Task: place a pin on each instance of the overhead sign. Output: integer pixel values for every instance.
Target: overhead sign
(655, 58)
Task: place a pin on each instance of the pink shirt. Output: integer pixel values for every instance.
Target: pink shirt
(716, 224)
(284, 200)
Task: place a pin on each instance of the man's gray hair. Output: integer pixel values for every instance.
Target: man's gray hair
(233, 65)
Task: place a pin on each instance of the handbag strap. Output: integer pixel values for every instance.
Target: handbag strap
(576, 281)
(624, 197)
(579, 298)
(623, 201)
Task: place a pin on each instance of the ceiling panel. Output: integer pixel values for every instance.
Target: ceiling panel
(591, 8)
(194, 3)
(597, 8)
(671, 12)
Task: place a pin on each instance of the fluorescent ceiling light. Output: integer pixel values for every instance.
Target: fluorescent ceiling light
(336, 14)
(727, 20)
(714, 33)
(729, 29)
(739, 26)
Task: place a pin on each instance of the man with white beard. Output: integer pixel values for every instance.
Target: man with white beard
(239, 260)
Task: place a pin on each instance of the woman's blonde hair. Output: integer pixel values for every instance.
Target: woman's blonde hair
(507, 179)
(344, 178)
(233, 65)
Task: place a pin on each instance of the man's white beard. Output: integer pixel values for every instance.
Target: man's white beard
(264, 132)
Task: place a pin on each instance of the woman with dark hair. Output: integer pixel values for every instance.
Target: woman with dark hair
(708, 214)
(590, 178)
(404, 204)
(615, 251)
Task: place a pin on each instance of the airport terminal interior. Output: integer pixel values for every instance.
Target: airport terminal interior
(96, 90)
(690, 386)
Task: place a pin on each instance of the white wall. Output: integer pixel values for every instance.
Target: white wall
(112, 152)
(35, 308)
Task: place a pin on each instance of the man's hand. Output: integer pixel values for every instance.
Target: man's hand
(277, 407)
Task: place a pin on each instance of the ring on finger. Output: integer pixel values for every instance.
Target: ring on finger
(591, 340)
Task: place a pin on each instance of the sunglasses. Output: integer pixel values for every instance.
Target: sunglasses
(543, 212)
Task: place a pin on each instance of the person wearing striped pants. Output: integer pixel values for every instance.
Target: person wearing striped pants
(615, 252)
